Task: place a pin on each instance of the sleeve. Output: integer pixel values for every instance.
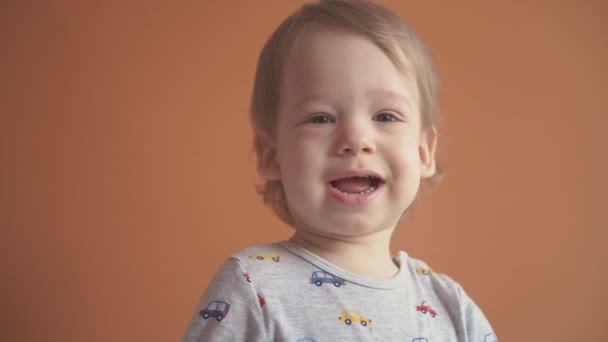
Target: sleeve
(229, 310)
(477, 327)
(468, 319)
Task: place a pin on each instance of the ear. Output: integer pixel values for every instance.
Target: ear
(268, 168)
(427, 148)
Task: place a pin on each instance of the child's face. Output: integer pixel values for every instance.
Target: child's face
(346, 110)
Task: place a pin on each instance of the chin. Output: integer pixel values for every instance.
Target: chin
(358, 226)
(330, 223)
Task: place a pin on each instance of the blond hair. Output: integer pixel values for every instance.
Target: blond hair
(381, 26)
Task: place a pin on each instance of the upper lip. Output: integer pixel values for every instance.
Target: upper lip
(353, 173)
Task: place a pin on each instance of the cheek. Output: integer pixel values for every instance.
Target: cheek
(402, 150)
(297, 162)
(302, 147)
(404, 166)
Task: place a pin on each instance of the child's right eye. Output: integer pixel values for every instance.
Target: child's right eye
(321, 119)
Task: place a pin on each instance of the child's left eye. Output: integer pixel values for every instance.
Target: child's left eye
(386, 117)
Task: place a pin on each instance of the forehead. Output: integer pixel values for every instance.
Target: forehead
(332, 61)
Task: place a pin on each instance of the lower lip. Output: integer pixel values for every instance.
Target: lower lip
(355, 199)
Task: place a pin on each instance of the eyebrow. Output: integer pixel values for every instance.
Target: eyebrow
(387, 93)
(375, 93)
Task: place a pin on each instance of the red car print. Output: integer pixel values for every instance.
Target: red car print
(424, 308)
(246, 275)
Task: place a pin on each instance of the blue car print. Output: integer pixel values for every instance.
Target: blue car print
(217, 309)
(307, 339)
(320, 277)
(490, 338)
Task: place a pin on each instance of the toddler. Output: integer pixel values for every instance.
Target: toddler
(345, 118)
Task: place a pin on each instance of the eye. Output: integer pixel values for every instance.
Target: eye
(386, 117)
(321, 119)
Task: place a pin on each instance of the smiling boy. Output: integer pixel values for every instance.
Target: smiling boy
(350, 150)
(345, 125)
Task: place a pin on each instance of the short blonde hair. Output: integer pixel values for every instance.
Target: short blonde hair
(381, 26)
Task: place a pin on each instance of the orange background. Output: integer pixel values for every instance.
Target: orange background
(126, 176)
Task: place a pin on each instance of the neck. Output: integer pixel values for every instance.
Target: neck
(368, 256)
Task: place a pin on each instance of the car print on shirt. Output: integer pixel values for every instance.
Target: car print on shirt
(424, 270)
(320, 277)
(217, 309)
(424, 308)
(306, 339)
(273, 257)
(491, 337)
(350, 316)
(246, 275)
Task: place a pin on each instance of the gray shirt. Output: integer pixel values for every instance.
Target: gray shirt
(282, 292)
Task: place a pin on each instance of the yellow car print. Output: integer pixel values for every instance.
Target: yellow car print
(425, 270)
(350, 316)
(274, 257)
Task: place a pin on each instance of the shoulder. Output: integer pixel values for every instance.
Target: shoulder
(421, 270)
(433, 283)
(267, 252)
(241, 263)
(264, 261)
(451, 297)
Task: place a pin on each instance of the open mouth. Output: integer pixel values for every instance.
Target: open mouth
(359, 185)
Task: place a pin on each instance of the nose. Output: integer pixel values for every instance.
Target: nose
(354, 138)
